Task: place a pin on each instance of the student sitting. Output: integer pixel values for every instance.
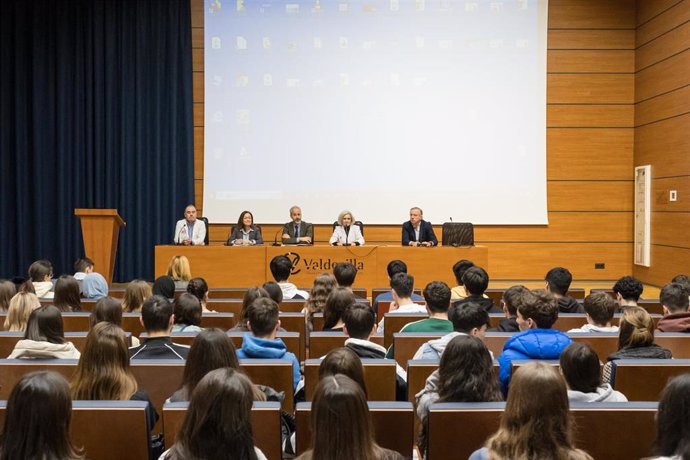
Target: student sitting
(582, 371)
(218, 420)
(402, 286)
(536, 423)
(512, 297)
(281, 267)
(274, 291)
(67, 296)
(599, 307)
(21, 306)
(136, 293)
(674, 301)
(261, 342)
(187, 313)
(340, 422)
(164, 286)
(44, 337)
(437, 296)
(37, 419)
(558, 281)
(359, 325)
(343, 361)
(465, 374)
(104, 373)
(41, 275)
(94, 286)
(337, 302)
(458, 292)
(199, 288)
(628, 291)
(537, 340)
(157, 318)
(673, 420)
(250, 296)
(393, 267)
(476, 281)
(635, 340)
(469, 318)
(212, 349)
(320, 292)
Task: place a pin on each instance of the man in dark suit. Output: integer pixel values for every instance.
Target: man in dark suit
(417, 231)
(297, 231)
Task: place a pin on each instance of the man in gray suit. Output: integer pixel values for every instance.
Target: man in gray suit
(297, 231)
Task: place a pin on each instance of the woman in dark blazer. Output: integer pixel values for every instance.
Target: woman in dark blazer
(245, 233)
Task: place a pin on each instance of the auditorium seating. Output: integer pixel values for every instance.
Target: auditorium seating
(107, 430)
(9, 339)
(395, 322)
(385, 306)
(597, 428)
(393, 426)
(644, 379)
(235, 305)
(378, 291)
(418, 370)
(265, 425)
(379, 377)
(320, 343)
(496, 294)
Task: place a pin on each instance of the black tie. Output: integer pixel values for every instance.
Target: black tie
(296, 231)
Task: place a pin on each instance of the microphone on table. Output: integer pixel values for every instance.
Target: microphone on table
(275, 238)
(177, 238)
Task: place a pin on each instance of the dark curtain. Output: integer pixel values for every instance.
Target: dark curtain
(95, 112)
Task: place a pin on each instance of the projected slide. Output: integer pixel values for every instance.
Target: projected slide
(376, 106)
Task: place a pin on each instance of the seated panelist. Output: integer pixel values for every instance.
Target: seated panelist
(346, 234)
(245, 233)
(190, 230)
(417, 231)
(297, 231)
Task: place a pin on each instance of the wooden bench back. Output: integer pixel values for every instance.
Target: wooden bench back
(379, 377)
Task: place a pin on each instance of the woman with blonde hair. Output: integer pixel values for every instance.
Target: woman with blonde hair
(136, 293)
(7, 290)
(346, 233)
(103, 371)
(180, 271)
(635, 340)
(322, 287)
(536, 422)
(341, 425)
(21, 306)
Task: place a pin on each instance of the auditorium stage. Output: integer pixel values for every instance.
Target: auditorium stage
(229, 266)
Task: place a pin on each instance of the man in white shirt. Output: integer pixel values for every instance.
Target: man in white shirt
(190, 231)
(599, 307)
(402, 286)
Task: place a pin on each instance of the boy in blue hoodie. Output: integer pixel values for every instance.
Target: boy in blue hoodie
(536, 313)
(261, 341)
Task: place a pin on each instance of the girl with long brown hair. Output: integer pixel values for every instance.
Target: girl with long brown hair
(536, 422)
(103, 371)
(136, 292)
(341, 425)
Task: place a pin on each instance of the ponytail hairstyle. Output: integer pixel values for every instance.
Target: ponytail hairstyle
(636, 328)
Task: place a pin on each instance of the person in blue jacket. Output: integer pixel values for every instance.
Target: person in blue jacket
(261, 342)
(535, 315)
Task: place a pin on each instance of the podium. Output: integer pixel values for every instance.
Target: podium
(100, 230)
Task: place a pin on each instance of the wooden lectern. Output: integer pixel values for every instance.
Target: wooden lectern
(100, 229)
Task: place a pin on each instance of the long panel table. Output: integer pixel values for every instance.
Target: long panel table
(229, 266)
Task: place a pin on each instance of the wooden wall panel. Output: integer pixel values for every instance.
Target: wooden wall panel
(591, 61)
(661, 107)
(198, 59)
(589, 154)
(673, 42)
(591, 39)
(591, 14)
(648, 9)
(662, 23)
(660, 194)
(590, 114)
(663, 77)
(671, 229)
(535, 259)
(662, 89)
(664, 145)
(590, 89)
(590, 195)
(667, 262)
